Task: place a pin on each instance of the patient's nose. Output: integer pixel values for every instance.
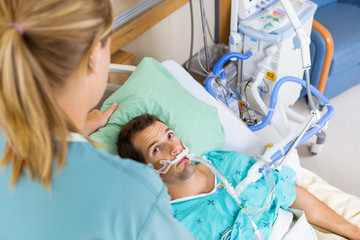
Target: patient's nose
(175, 149)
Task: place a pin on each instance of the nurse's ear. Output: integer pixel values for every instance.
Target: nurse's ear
(94, 58)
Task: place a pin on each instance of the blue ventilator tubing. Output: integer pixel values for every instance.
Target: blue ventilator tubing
(218, 66)
(219, 71)
(311, 132)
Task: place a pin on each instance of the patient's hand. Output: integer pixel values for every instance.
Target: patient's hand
(97, 119)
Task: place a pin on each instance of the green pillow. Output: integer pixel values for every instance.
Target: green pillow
(152, 89)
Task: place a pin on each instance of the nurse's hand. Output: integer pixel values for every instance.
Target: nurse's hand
(97, 119)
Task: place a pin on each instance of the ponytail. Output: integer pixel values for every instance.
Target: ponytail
(52, 46)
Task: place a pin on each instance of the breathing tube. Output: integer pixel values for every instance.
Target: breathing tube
(260, 168)
(311, 132)
(165, 167)
(220, 71)
(232, 192)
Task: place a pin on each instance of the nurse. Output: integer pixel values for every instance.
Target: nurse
(54, 184)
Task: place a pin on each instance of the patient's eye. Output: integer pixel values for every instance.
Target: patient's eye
(171, 135)
(156, 149)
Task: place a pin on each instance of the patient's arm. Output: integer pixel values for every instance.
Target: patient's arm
(321, 215)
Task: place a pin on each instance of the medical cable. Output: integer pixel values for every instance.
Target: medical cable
(246, 99)
(231, 94)
(207, 25)
(267, 89)
(192, 35)
(227, 234)
(308, 90)
(202, 67)
(203, 21)
(250, 121)
(226, 92)
(229, 188)
(203, 15)
(259, 169)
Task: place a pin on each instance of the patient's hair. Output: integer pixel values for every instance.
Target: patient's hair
(125, 147)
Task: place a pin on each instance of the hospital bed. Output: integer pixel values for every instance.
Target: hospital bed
(204, 124)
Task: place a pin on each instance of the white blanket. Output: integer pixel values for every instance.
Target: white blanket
(344, 204)
(292, 226)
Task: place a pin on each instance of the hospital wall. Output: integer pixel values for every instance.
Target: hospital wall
(171, 37)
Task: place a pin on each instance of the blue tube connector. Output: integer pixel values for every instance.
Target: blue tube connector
(220, 71)
(311, 132)
(218, 68)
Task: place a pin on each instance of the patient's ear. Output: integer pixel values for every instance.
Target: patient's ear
(94, 58)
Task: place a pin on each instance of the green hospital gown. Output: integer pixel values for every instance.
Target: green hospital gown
(208, 216)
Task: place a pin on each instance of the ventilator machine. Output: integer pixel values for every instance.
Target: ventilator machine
(269, 40)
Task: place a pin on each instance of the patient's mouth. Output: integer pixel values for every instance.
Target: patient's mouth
(184, 159)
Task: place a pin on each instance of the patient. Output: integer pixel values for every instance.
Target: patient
(198, 199)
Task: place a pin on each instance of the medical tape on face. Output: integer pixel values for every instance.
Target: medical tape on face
(163, 166)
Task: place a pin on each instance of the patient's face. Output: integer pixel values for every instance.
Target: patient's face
(158, 142)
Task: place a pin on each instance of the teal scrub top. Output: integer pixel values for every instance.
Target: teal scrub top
(95, 196)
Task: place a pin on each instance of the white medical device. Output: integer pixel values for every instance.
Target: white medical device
(276, 32)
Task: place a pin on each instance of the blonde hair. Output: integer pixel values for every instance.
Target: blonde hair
(57, 38)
